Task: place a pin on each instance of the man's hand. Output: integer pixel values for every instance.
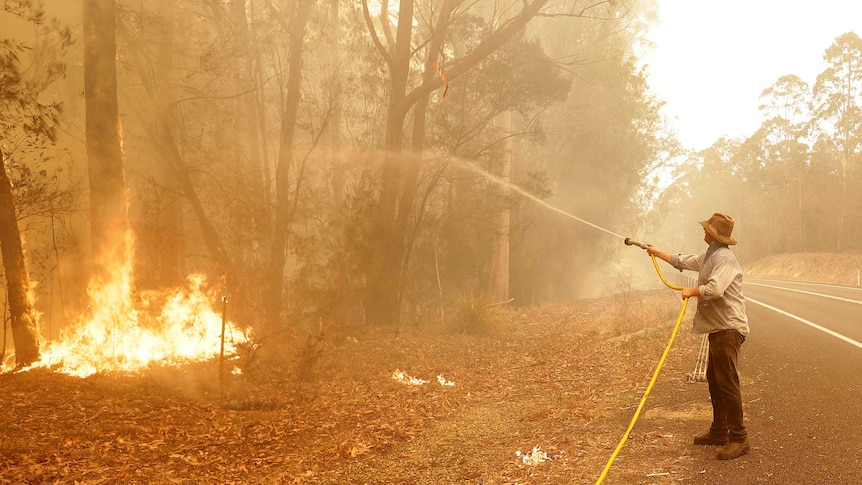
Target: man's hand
(690, 292)
(658, 253)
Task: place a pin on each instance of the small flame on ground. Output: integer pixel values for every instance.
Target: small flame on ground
(399, 375)
(443, 382)
(127, 333)
(534, 457)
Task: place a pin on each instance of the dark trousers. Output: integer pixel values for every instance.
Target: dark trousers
(723, 379)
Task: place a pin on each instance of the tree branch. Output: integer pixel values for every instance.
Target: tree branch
(371, 30)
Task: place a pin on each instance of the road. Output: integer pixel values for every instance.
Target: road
(801, 370)
(805, 359)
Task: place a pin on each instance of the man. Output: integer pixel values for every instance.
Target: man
(721, 314)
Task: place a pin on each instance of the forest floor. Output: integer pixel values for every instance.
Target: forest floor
(534, 395)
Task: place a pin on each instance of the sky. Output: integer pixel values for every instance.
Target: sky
(711, 60)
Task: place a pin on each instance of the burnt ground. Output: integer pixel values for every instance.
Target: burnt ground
(564, 379)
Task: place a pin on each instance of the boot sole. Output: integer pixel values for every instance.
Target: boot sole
(742, 451)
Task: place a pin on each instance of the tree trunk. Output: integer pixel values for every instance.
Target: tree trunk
(274, 282)
(25, 333)
(336, 156)
(498, 284)
(382, 299)
(170, 223)
(108, 213)
(383, 290)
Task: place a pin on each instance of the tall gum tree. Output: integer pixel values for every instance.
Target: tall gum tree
(109, 223)
(786, 107)
(24, 328)
(295, 21)
(397, 192)
(838, 110)
(27, 127)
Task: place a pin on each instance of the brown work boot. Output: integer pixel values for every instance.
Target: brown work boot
(734, 450)
(710, 439)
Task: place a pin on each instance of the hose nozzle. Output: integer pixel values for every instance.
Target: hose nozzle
(631, 242)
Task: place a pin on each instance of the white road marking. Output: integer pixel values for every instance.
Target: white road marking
(807, 322)
(807, 283)
(848, 300)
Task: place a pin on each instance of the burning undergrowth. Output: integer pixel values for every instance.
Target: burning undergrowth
(125, 331)
(551, 383)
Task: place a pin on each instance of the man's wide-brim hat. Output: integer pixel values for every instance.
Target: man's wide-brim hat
(720, 226)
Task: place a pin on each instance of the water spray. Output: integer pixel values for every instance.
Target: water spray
(530, 196)
(629, 242)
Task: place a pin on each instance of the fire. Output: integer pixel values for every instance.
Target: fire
(124, 332)
(401, 376)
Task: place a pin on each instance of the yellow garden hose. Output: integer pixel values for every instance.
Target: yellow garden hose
(657, 369)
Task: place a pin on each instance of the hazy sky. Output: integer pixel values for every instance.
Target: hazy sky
(712, 59)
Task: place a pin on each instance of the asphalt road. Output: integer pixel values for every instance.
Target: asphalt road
(801, 374)
(805, 355)
(801, 370)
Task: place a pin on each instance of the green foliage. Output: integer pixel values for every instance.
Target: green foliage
(472, 317)
(31, 52)
(603, 139)
(202, 93)
(27, 122)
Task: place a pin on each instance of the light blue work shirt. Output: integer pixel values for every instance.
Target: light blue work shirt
(721, 304)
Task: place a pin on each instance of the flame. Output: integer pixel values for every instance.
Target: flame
(402, 377)
(444, 382)
(126, 333)
(533, 457)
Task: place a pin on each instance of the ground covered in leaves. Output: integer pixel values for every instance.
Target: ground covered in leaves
(539, 395)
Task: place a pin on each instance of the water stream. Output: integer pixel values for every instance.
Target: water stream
(499, 181)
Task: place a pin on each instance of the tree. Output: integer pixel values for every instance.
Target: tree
(295, 24)
(398, 190)
(28, 126)
(838, 114)
(602, 141)
(109, 223)
(25, 330)
(167, 117)
(786, 106)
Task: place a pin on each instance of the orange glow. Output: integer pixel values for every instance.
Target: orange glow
(127, 332)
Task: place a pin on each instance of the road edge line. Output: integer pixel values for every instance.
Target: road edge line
(807, 322)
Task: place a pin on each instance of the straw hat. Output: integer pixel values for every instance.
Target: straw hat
(720, 226)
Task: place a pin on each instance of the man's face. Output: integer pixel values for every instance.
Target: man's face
(708, 237)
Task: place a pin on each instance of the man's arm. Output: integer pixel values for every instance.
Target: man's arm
(659, 253)
(668, 257)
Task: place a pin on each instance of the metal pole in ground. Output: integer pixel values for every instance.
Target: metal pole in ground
(221, 354)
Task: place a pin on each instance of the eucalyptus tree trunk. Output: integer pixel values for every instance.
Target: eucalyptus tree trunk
(336, 144)
(274, 282)
(168, 247)
(25, 333)
(108, 212)
(498, 284)
(397, 193)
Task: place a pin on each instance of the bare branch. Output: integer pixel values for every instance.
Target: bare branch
(371, 30)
